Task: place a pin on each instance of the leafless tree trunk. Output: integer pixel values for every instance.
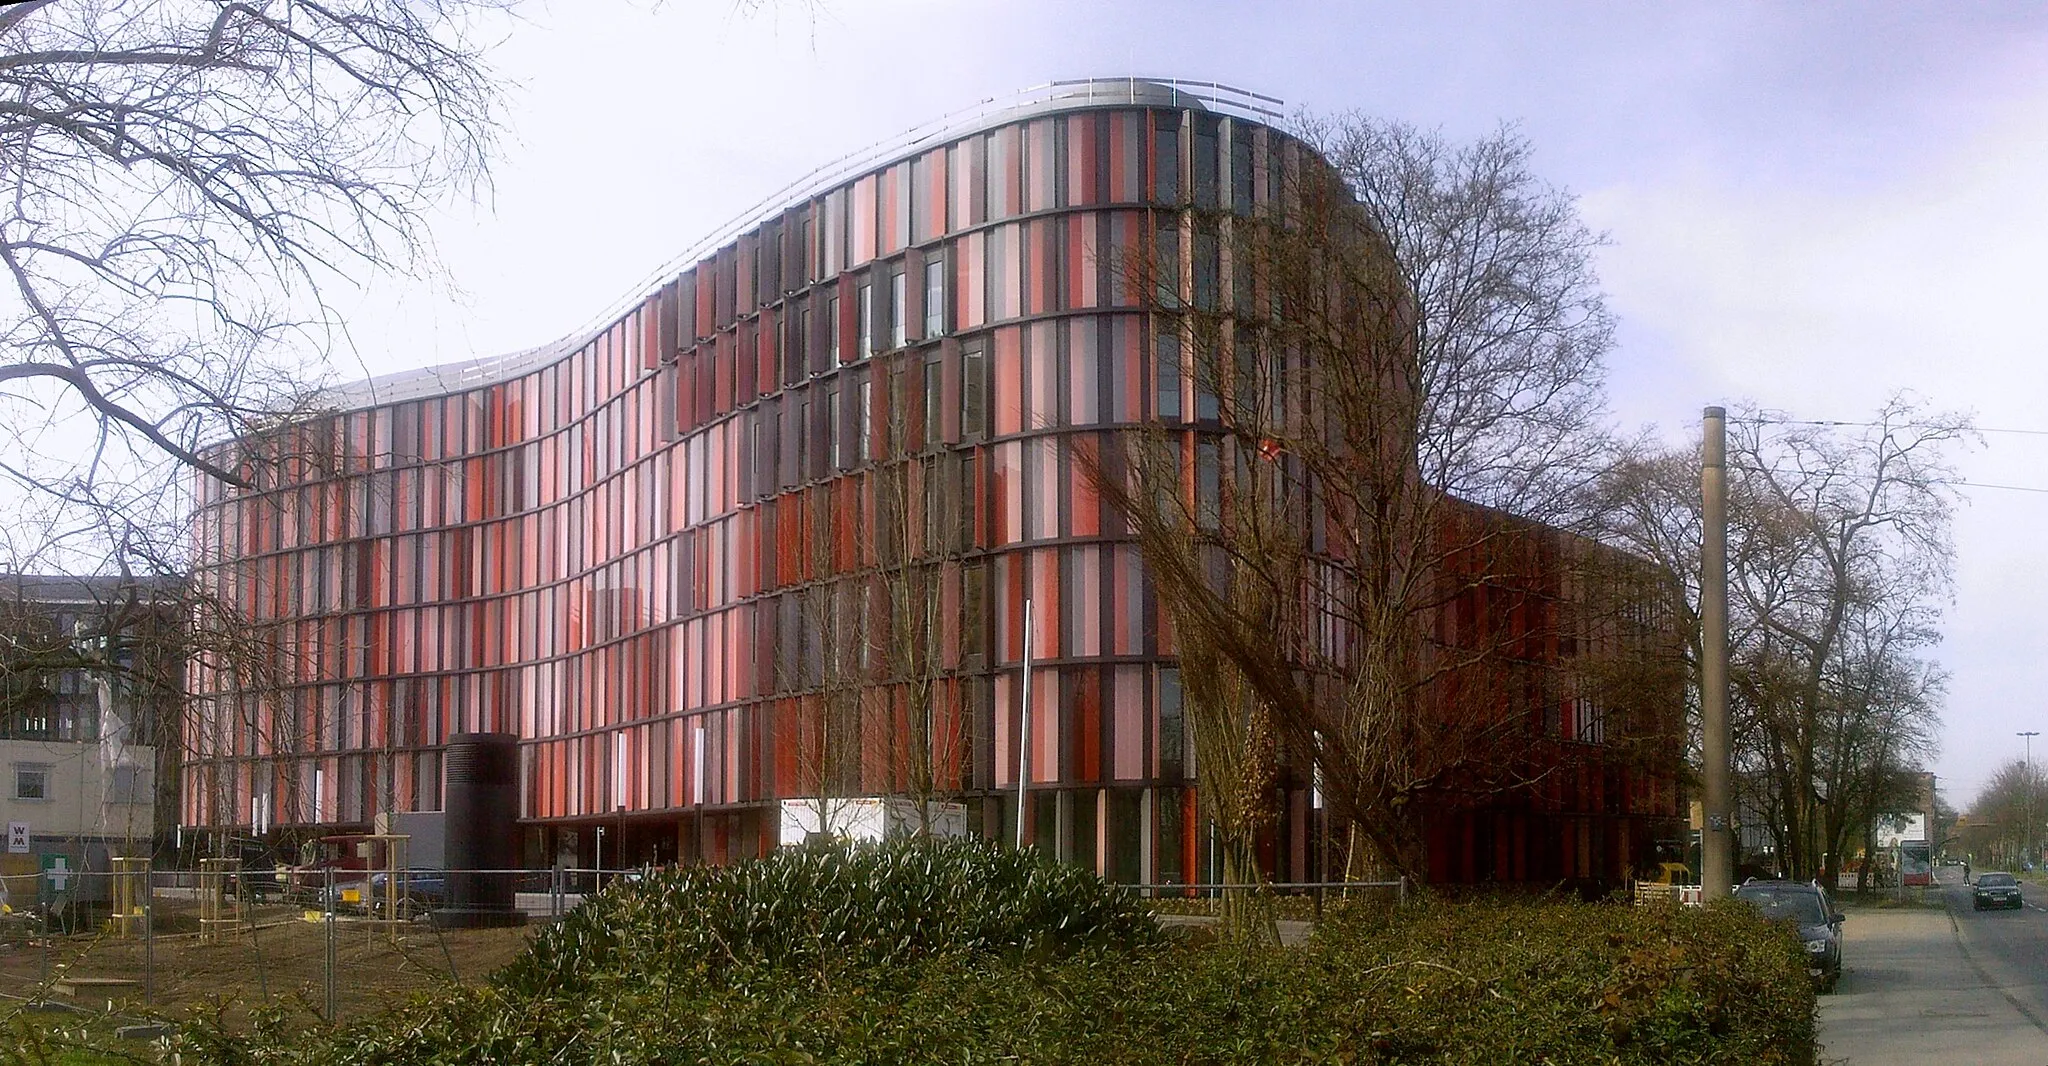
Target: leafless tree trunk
(1397, 369)
(919, 511)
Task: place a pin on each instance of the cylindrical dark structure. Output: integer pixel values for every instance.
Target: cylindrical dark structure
(481, 808)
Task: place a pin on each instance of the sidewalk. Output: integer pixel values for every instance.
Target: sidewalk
(1910, 995)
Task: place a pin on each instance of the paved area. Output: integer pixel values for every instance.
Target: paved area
(1932, 985)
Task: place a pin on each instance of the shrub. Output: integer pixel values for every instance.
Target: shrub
(860, 905)
(966, 953)
(1537, 982)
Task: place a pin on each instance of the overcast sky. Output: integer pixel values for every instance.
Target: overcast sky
(1811, 205)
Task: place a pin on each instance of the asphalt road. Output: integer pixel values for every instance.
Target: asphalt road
(2008, 947)
(1941, 985)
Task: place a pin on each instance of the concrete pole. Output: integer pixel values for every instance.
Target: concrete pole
(1717, 865)
(2027, 797)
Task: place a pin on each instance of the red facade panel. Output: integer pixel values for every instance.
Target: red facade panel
(627, 550)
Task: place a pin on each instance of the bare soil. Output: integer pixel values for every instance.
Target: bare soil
(277, 956)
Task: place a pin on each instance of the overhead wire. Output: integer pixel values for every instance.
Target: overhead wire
(1830, 422)
(1961, 483)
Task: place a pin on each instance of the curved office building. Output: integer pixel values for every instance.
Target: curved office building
(652, 552)
(646, 551)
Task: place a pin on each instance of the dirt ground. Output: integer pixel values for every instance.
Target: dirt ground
(277, 956)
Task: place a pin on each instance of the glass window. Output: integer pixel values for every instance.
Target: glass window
(1241, 168)
(799, 344)
(934, 400)
(1206, 162)
(973, 610)
(1172, 745)
(832, 426)
(1166, 264)
(973, 391)
(831, 331)
(129, 786)
(897, 326)
(1208, 482)
(970, 482)
(934, 297)
(807, 255)
(864, 306)
(1168, 375)
(937, 487)
(1166, 157)
(31, 781)
(1209, 371)
(803, 440)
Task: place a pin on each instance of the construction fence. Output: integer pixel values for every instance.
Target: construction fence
(136, 941)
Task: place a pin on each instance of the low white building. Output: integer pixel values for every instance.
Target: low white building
(79, 723)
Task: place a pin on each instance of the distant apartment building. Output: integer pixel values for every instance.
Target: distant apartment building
(654, 552)
(89, 691)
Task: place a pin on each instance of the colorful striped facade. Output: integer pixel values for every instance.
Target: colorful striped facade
(637, 550)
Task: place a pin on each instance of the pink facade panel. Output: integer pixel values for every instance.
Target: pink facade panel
(649, 555)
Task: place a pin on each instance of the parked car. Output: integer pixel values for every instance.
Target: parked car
(424, 888)
(259, 876)
(1808, 907)
(1996, 890)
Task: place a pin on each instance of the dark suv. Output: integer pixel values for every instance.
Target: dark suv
(1808, 907)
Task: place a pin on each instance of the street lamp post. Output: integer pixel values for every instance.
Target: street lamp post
(2027, 797)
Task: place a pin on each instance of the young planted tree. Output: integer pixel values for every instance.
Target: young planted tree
(922, 512)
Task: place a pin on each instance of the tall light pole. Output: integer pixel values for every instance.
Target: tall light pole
(2027, 797)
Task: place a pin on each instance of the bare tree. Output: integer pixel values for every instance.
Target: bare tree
(188, 180)
(1839, 563)
(919, 515)
(879, 655)
(1397, 369)
(2008, 814)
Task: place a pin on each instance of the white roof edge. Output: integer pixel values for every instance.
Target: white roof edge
(1050, 98)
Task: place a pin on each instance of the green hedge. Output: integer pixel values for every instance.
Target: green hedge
(858, 906)
(892, 970)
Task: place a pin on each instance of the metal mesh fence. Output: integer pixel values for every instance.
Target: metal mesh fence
(337, 945)
(134, 941)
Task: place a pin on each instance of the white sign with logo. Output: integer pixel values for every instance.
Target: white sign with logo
(17, 838)
(1895, 829)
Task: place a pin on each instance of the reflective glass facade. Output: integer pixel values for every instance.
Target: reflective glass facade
(646, 553)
